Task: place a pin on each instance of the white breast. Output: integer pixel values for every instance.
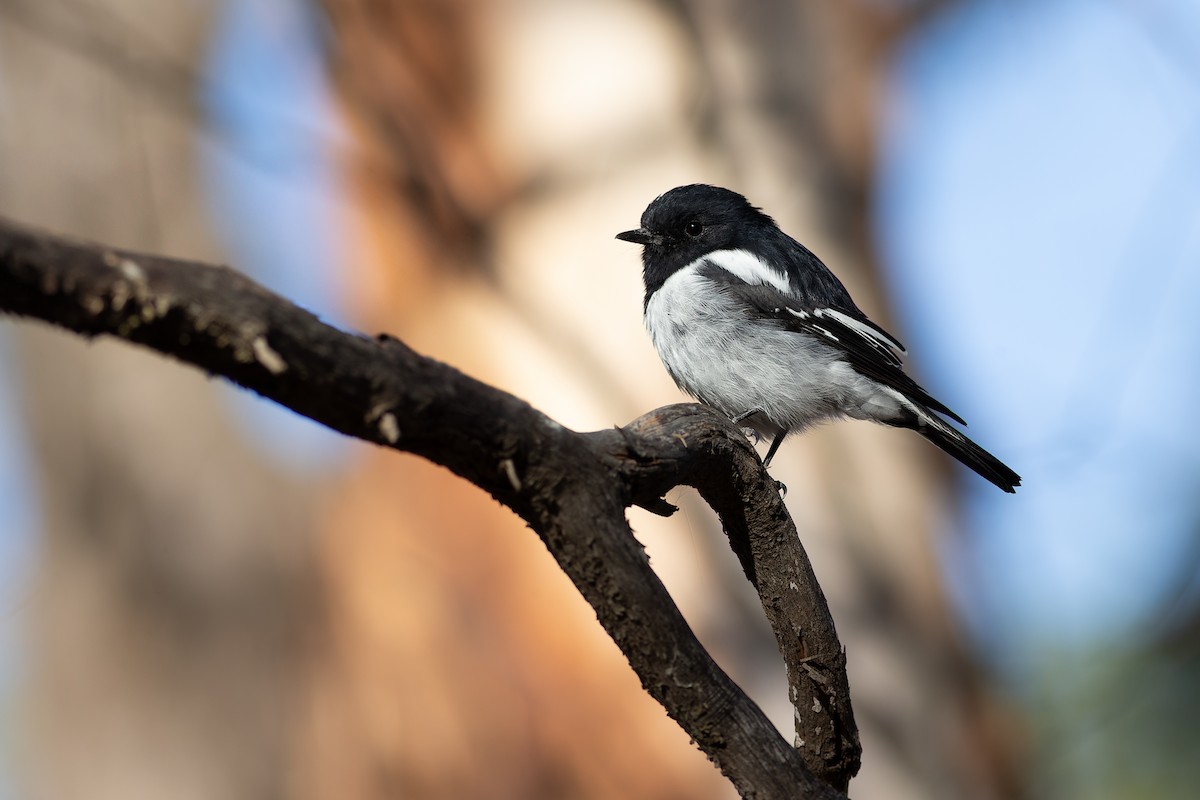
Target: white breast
(721, 357)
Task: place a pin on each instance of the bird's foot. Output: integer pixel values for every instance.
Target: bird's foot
(781, 487)
(750, 433)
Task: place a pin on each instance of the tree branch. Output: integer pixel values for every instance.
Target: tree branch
(571, 488)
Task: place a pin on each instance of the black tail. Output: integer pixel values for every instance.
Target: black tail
(966, 451)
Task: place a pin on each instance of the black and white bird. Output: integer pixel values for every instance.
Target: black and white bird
(749, 321)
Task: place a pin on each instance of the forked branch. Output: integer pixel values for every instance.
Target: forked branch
(571, 488)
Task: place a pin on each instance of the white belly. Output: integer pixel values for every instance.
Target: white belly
(795, 380)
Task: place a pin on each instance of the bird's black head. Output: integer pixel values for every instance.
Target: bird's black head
(689, 222)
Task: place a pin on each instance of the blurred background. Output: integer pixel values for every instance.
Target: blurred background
(206, 596)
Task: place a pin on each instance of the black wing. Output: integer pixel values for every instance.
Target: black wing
(868, 348)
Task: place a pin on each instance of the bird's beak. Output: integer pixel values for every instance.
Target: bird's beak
(641, 236)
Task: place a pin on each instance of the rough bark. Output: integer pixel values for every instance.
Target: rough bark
(571, 488)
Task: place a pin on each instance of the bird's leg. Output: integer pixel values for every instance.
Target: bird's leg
(774, 446)
(745, 415)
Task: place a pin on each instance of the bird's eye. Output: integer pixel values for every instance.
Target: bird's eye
(693, 229)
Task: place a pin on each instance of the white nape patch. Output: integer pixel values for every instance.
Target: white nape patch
(749, 268)
(866, 331)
